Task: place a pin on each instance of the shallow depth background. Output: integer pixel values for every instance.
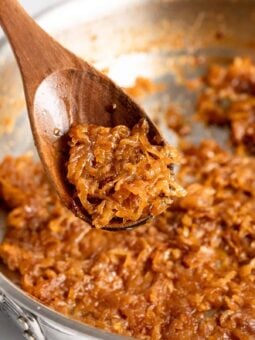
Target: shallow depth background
(8, 329)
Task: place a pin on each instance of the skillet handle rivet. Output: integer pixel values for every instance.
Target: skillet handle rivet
(29, 336)
(23, 323)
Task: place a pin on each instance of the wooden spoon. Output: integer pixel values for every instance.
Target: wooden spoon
(61, 89)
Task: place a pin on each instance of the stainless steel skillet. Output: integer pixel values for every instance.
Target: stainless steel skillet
(159, 39)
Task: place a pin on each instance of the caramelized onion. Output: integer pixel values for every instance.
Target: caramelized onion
(118, 173)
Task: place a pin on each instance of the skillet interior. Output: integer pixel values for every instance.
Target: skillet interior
(161, 40)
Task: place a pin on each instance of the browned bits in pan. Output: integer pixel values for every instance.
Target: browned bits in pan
(190, 273)
(229, 99)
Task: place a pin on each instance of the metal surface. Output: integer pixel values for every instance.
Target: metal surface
(27, 322)
(165, 41)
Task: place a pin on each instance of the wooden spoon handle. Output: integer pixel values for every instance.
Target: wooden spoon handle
(37, 54)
